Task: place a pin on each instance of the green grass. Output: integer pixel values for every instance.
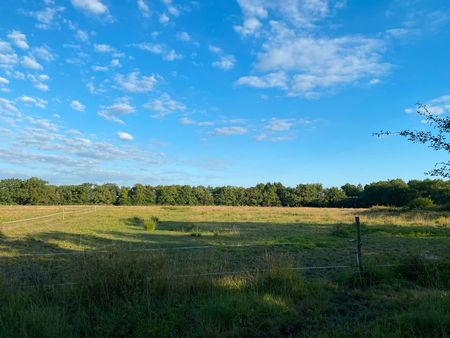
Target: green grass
(108, 277)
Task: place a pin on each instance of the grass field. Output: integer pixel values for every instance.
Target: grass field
(223, 271)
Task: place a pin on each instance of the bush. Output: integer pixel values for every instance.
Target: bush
(150, 224)
(420, 203)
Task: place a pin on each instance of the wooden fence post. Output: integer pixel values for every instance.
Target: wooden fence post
(359, 244)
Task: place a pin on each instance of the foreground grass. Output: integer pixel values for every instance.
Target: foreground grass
(109, 274)
(135, 295)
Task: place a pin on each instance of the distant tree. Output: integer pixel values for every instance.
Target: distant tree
(167, 195)
(9, 191)
(203, 195)
(335, 197)
(104, 194)
(34, 191)
(352, 190)
(123, 198)
(142, 195)
(390, 193)
(437, 138)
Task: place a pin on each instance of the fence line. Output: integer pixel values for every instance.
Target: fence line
(32, 218)
(167, 249)
(40, 217)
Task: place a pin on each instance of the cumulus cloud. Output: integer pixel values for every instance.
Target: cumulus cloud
(38, 81)
(43, 53)
(225, 62)
(77, 105)
(33, 101)
(171, 8)
(183, 36)
(144, 8)
(186, 121)
(95, 7)
(82, 35)
(164, 105)
(30, 62)
(437, 106)
(164, 19)
(125, 136)
(280, 124)
(19, 39)
(47, 18)
(226, 131)
(120, 107)
(271, 80)
(295, 57)
(159, 49)
(135, 83)
(302, 14)
(8, 58)
(104, 48)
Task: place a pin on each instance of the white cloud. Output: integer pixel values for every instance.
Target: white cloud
(144, 8)
(19, 39)
(292, 44)
(125, 136)
(280, 124)
(164, 105)
(135, 83)
(47, 17)
(271, 80)
(225, 62)
(43, 53)
(183, 36)
(120, 107)
(8, 58)
(30, 62)
(95, 7)
(77, 105)
(225, 131)
(186, 121)
(438, 106)
(214, 49)
(115, 63)
(159, 49)
(38, 81)
(100, 68)
(33, 101)
(82, 35)
(3, 81)
(172, 56)
(171, 8)
(103, 48)
(164, 19)
(302, 14)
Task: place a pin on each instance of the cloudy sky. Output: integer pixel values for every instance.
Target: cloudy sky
(219, 92)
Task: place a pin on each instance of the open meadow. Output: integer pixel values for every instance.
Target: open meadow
(222, 271)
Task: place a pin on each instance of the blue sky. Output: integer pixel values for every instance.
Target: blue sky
(219, 92)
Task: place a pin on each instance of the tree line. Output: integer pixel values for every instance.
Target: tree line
(398, 193)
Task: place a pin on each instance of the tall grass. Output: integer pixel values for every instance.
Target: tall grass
(141, 295)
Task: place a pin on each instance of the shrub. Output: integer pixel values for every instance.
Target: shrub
(420, 203)
(150, 224)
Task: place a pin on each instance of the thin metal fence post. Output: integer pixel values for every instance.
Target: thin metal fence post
(359, 244)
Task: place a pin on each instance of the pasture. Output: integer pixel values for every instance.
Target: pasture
(222, 271)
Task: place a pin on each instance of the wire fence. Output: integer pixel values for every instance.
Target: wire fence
(23, 222)
(355, 249)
